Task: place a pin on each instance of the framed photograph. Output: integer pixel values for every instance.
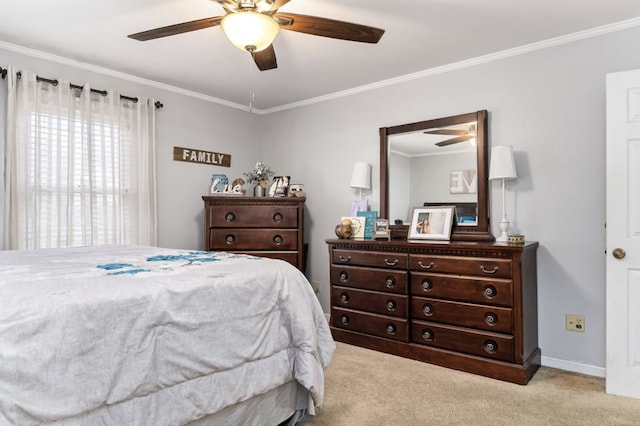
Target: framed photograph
(357, 226)
(280, 186)
(431, 223)
(381, 229)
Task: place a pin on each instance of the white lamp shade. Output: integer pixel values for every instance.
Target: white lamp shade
(361, 177)
(503, 166)
(249, 30)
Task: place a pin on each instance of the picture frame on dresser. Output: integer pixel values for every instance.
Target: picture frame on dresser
(280, 186)
(431, 223)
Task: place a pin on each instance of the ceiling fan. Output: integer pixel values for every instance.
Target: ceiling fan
(461, 135)
(253, 25)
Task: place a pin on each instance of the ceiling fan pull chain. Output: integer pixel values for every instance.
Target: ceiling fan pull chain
(252, 94)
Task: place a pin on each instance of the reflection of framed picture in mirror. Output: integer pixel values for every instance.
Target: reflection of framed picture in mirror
(280, 186)
(431, 223)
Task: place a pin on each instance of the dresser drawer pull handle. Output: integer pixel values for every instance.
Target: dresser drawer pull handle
(230, 239)
(490, 346)
(427, 310)
(344, 298)
(230, 217)
(390, 283)
(391, 329)
(344, 319)
(429, 266)
(491, 318)
(277, 217)
(345, 259)
(426, 285)
(391, 305)
(344, 276)
(395, 262)
(278, 240)
(490, 291)
(486, 271)
(427, 335)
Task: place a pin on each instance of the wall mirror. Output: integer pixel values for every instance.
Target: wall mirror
(443, 161)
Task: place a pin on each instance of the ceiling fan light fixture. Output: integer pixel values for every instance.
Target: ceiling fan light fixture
(248, 30)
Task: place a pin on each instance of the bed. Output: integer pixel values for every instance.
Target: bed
(153, 336)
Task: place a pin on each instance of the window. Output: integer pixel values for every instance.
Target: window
(83, 170)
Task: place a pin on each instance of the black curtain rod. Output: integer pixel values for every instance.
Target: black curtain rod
(3, 73)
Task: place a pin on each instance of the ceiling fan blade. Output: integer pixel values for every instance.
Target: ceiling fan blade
(455, 140)
(170, 30)
(328, 28)
(265, 59)
(446, 132)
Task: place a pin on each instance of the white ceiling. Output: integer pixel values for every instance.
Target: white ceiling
(420, 35)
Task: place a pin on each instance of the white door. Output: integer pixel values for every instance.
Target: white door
(623, 234)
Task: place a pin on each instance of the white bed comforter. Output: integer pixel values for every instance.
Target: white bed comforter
(151, 336)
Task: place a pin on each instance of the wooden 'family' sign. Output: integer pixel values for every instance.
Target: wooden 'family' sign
(198, 156)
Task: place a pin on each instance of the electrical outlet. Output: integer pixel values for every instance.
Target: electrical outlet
(315, 285)
(574, 322)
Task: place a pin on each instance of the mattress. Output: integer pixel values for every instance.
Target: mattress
(151, 336)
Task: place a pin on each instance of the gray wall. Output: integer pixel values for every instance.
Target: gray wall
(548, 104)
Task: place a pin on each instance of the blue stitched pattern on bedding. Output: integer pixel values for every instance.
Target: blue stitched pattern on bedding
(191, 257)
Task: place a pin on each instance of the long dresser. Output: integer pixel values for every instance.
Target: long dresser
(462, 305)
(262, 226)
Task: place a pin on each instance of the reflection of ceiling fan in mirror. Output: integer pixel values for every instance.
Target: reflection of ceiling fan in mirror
(253, 25)
(461, 135)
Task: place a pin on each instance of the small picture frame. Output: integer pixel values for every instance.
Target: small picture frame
(280, 186)
(381, 229)
(431, 223)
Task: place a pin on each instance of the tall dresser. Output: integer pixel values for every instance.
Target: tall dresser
(471, 306)
(261, 226)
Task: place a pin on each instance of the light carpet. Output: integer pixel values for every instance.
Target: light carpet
(365, 387)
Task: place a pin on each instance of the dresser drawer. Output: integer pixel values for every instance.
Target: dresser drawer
(265, 216)
(467, 289)
(485, 344)
(490, 318)
(370, 258)
(369, 278)
(377, 325)
(370, 301)
(253, 239)
(477, 266)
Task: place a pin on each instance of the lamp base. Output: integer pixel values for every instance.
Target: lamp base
(504, 227)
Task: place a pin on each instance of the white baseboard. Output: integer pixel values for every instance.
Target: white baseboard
(576, 367)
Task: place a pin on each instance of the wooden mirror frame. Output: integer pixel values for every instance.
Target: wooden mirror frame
(480, 232)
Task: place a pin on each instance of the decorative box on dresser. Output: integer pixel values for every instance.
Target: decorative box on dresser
(261, 226)
(471, 306)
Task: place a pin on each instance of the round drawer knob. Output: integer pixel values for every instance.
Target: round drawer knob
(344, 276)
(344, 298)
(278, 217)
(230, 217)
(490, 291)
(491, 318)
(278, 239)
(427, 335)
(344, 319)
(391, 305)
(426, 285)
(390, 283)
(490, 346)
(230, 239)
(427, 310)
(391, 329)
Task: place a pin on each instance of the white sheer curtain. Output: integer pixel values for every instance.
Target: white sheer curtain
(79, 166)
